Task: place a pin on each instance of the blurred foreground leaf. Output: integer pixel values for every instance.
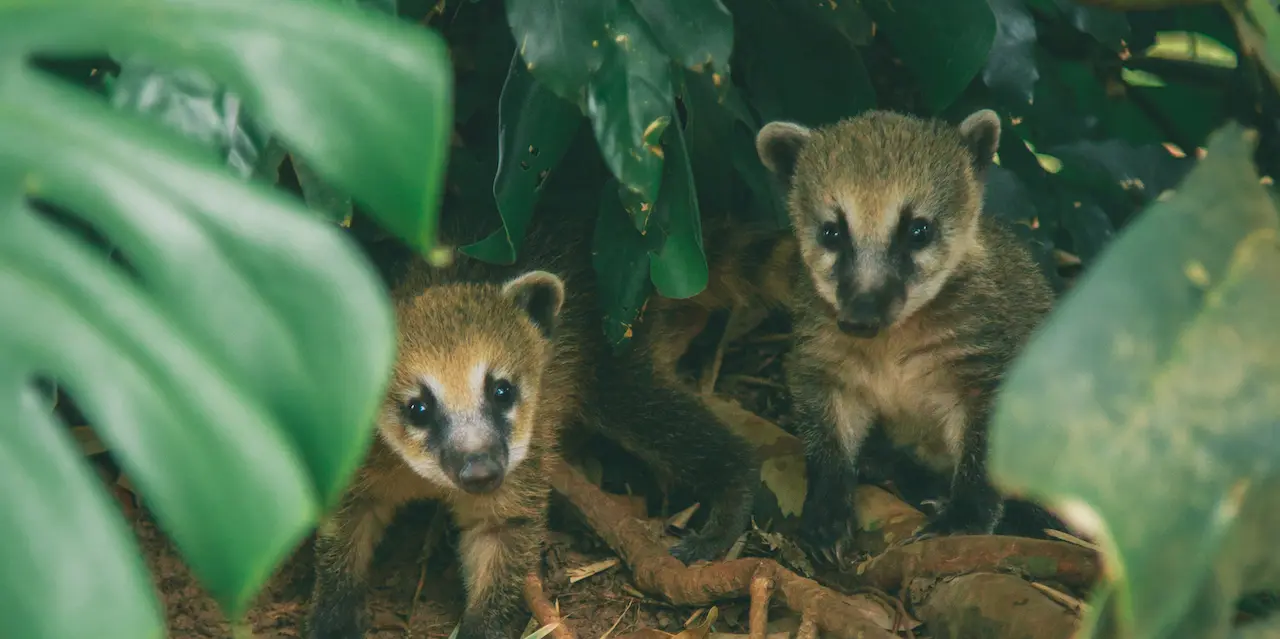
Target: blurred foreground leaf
(1148, 406)
(234, 366)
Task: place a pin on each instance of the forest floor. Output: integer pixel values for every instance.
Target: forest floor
(407, 601)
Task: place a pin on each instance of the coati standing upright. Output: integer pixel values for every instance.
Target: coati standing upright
(908, 305)
(493, 361)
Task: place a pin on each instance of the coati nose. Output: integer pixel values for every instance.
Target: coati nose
(862, 316)
(480, 473)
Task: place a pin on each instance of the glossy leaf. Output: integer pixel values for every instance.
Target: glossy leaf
(561, 41)
(944, 42)
(679, 267)
(535, 129)
(1158, 416)
(629, 103)
(848, 19)
(620, 256)
(54, 498)
(698, 35)
(794, 71)
(235, 376)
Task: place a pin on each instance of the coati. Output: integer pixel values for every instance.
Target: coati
(748, 266)
(493, 361)
(907, 306)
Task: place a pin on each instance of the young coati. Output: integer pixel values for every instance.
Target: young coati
(493, 361)
(908, 304)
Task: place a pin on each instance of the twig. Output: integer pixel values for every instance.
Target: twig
(758, 616)
(656, 571)
(542, 609)
(429, 541)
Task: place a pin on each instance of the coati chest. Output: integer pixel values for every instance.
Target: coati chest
(904, 382)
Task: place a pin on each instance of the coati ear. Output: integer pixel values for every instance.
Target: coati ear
(981, 133)
(778, 145)
(540, 294)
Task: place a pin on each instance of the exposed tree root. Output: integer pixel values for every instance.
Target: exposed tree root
(542, 608)
(657, 572)
(1033, 558)
(992, 605)
(758, 617)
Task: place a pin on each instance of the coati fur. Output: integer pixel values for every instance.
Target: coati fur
(748, 267)
(493, 362)
(908, 304)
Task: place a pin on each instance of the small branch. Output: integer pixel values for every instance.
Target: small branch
(758, 617)
(657, 572)
(542, 609)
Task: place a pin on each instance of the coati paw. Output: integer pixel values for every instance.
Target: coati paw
(694, 548)
(826, 538)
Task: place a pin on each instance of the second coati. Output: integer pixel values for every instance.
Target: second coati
(908, 304)
(493, 362)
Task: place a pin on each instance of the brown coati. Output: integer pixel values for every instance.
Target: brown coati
(908, 305)
(493, 361)
(748, 266)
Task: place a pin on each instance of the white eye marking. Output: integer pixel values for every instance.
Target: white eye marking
(475, 379)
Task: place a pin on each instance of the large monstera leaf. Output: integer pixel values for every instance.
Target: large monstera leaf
(1147, 407)
(233, 363)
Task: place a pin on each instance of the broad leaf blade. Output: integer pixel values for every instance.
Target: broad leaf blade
(698, 35)
(535, 129)
(284, 58)
(629, 103)
(1159, 414)
(230, 379)
(679, 268)
(944, 42)
(56, 509)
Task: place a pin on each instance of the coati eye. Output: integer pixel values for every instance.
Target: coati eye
(830, 235)
(419, 411)
(503, 393)
(920, 232)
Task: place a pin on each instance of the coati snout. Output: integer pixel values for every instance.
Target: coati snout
(476, 459)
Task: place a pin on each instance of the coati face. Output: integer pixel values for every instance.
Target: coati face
(885, 207)
(462, 404)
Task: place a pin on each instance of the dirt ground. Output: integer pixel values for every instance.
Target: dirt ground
(603, 604)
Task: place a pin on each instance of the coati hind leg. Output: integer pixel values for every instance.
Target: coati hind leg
(683, 441)
(344, 548)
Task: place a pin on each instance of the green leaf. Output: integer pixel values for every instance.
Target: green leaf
(333, 205)
(561, 41)
(55, 510)
(235, 367)
(620, 255)
(190, 102)
(679, 267)
(535, 129)
(402, 187)
(794, 69)
(629, 103)
(698, 35)
(944, 42)
(1158, 416)
(848, 19)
